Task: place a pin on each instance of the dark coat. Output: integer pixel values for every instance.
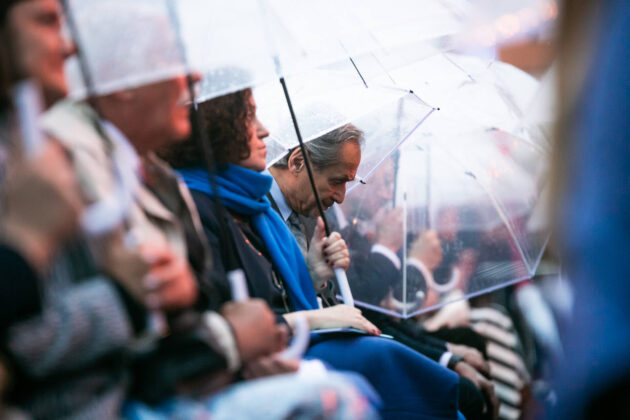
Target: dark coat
(19, 288)
(234, 250)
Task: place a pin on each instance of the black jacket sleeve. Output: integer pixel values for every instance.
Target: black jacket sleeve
(210, 220)
(409, 333)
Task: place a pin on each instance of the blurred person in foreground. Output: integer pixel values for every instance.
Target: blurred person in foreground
(31, 47)
(592, 169)
(335, 157)
(154, 262)
(46, 350)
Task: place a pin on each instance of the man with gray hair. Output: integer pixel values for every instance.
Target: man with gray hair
(335, 158)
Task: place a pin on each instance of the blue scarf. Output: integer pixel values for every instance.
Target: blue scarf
(243, 191)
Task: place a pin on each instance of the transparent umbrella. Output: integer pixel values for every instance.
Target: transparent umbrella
(326, 99)
(472, 90)
(122, 44)
(391, 25)
(454, 207)
(265, 39)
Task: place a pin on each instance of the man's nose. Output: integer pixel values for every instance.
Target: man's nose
(340, 194)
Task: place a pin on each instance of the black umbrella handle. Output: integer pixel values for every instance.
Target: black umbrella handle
(307, 160)
(340, 274)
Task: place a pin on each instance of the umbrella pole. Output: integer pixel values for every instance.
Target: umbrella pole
(397, 155)
(396, 169)
(83, 65)
(427, 219)
(234, 274)
(340, 274)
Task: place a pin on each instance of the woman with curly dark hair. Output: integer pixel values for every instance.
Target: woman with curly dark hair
(226, 121)
(410, 385)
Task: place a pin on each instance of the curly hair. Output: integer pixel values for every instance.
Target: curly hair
(226, 121)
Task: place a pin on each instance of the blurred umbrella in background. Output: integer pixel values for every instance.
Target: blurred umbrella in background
(265, 39)
(458, 201)
(122, 45)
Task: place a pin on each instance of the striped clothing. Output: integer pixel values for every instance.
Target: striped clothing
(505, 356)
(71, 357)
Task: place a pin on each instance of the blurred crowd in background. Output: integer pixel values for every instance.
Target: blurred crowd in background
(314, 210)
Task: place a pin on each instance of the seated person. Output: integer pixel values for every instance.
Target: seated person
(376, 269)
(411, 385)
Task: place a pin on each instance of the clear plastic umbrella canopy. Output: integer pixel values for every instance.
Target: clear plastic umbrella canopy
(373, 25)
(449, 23)
(124, 44)
(472, 90)
(244, 43)
(456, 208)
(472, 93)
(326, 99)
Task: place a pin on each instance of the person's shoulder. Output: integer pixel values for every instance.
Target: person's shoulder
(206, 207)
(71, 123)
(377, 257)
(381, 265)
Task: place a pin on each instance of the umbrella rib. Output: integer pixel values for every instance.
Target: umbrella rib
(396, 147)
(450, 60)
(422, 100)
(381, 65)
(500, 212)
(404, 252)
(509, 228)
(82, 61)
(358, 72)
(470, 295)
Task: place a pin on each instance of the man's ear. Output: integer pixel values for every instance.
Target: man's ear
(296, 161)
